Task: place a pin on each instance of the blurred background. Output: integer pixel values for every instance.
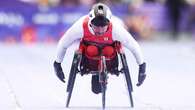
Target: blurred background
(30, 30)
(30, 21)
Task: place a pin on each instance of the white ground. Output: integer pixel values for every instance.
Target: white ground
(28, 82)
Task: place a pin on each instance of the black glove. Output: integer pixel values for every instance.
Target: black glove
(142, 75)
(58, 70)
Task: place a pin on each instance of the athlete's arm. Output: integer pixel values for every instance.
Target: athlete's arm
(121, 34)
(74, 33)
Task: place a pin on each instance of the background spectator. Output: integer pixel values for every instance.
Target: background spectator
(175, 8)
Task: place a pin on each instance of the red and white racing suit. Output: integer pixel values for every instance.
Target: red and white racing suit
(104, 39)
(81, 31)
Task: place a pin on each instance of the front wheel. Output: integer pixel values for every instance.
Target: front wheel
(103, 76)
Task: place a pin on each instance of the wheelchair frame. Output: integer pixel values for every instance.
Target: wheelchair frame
(103, 75)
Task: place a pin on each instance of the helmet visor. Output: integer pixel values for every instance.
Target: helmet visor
(100, 21)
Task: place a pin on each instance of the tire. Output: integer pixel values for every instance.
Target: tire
(127, 77)
(72, 76)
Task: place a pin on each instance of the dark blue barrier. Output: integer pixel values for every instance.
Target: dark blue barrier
(18, 19)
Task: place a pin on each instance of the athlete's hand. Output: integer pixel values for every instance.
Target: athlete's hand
(142, 75)
(58, 71)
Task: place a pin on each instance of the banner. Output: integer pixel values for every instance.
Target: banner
(31, 23)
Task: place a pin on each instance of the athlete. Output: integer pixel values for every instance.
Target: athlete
(97, 31)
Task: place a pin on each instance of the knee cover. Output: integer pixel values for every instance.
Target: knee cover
(108, 51)
(92, 51)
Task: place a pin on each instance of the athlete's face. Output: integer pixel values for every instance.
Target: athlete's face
(99, 30)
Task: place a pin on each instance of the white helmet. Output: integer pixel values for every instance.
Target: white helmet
(100, 15)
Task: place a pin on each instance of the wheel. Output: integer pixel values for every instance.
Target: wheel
(103, 76)
(125, 70)
(72, 76)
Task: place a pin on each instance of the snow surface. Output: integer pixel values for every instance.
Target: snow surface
(28, 82)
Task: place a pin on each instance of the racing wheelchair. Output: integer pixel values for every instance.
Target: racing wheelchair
(102, 70)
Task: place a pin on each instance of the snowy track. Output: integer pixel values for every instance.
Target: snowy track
(28, 82)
